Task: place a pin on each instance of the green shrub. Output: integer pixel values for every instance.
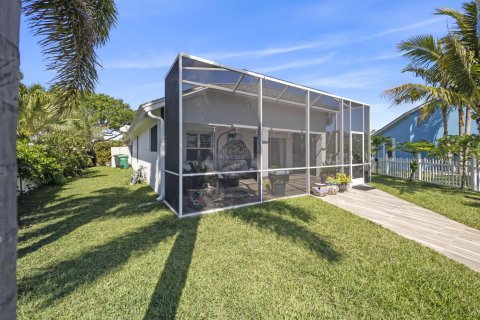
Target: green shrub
(103, 151)
(70, 151)
(37, 164)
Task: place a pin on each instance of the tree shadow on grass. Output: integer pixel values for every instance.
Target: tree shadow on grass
(31, 205)
(70, 214)
(276, 217)
(284, 219)
(411, 187)
(165, 299)
(477, 198)
(62, 279)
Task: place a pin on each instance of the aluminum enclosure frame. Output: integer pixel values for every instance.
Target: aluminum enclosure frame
(344, 162)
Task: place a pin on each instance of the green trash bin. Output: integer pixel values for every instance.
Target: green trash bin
(123, 161)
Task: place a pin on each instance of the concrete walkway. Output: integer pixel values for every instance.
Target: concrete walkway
(450, 238)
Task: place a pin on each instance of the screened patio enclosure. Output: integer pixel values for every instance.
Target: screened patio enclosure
(235, 137)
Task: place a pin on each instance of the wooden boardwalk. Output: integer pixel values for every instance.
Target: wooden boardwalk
(450, 238)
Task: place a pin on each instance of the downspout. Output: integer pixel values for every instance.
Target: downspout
(160, 155)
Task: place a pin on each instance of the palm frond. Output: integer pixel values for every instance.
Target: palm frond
(421, 50)
(70, 31)
(414, 92)
(466, 24)
(461, 67)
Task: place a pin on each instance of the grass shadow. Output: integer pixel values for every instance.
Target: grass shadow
(165, 299)
(410, 187)
(72, 213)
(271, 217)
(29, 204)
(65, 277)
(61, 216)
(473, 198)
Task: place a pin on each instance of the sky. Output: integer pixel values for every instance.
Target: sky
(345, 47)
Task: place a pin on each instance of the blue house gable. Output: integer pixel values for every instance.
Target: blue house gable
(409, 127)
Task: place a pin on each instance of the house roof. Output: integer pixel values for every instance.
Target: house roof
(142, 111)
(380, 131)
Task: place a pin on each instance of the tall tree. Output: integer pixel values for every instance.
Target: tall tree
(425, 55)
(70, 31)
(456, 70)
(37, 113)
(106, 115)
(466, 27)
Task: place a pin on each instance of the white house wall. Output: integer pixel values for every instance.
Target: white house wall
(217, 112)
(142, 156)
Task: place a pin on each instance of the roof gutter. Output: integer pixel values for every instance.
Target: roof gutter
(160, 156)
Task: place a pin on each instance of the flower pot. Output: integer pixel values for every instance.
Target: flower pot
(278, 189)
(232, 181)
(332, 189)
(342, 187)
(320, 191)
(196, 197)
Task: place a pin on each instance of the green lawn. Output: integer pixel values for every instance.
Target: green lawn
(89, 250)
(462, 206)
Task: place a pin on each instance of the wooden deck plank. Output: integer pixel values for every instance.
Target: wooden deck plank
(451, 238)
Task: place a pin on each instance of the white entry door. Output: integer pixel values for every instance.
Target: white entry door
(357, 143)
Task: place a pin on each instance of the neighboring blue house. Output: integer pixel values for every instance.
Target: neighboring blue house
(409, 127)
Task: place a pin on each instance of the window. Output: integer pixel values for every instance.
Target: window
(199, 146)
(154, 138)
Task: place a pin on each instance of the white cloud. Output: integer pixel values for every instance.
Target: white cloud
(298, 64)
(262, 52)
(163, 60)
(356, 79)
(408, 27)
(368, 59)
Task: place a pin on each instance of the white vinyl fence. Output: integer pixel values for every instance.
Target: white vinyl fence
(442, 172)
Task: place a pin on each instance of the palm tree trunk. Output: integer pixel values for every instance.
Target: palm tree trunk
(445, 120)
(461, 122)
(468, 120)
(9, 82)
(461, 132)
(468, 130)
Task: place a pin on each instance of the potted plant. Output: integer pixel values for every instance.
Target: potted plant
(342, 180)
(332, 185)
(278, 181)
(331, 180)
(196, 186)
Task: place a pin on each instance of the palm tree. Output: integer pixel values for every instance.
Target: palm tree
(425, 54)
(466, 30)
(70, 31)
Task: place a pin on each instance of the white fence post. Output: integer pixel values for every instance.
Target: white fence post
(419, 170)
(474, 174)
(432, 170)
